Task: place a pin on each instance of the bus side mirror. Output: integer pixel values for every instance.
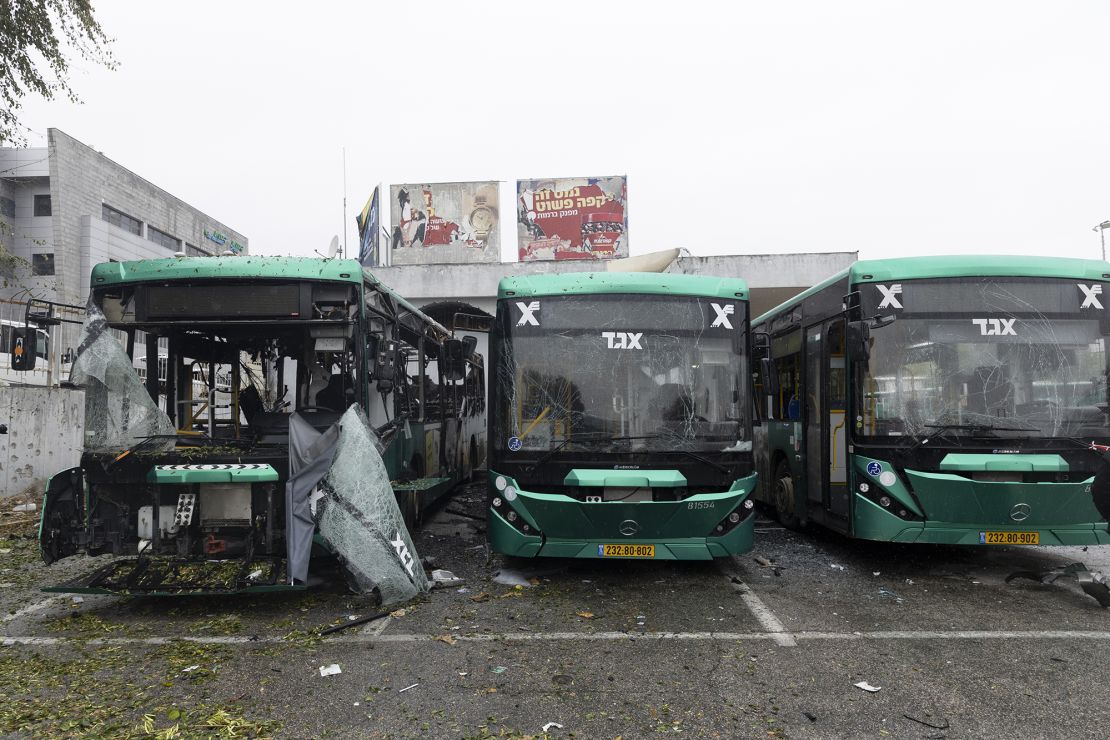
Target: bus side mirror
(770, 375)
(454, 359)
(23, 348)
(859, 340)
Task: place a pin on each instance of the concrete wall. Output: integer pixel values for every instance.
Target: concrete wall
(46, 429)
(772, 278)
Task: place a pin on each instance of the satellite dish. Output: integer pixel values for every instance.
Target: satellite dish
(333, 247)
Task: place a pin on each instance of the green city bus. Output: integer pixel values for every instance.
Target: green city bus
(619, 417)
(192, 369)
(938, 400)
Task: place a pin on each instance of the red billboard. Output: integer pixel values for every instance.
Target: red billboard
(574, 218)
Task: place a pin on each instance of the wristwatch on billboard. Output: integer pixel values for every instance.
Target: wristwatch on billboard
(482, 218)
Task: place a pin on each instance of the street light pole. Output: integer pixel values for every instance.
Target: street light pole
(1101, 229)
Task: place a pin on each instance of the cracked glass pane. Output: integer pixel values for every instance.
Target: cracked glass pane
(616, 372)
(119, 412)
(1001, 366)
(359, 518)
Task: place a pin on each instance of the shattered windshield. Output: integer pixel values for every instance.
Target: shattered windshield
(1002, 367)
(232, 362)
(617, 373)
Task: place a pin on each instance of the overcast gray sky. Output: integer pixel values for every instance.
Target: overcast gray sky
(749, 127)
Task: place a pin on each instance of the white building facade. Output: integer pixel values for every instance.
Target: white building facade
(66, 207)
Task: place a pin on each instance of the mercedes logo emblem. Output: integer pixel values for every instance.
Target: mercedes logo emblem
(629, 527)
(1020, 512)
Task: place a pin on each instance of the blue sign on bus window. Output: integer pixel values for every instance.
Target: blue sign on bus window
(874, 468)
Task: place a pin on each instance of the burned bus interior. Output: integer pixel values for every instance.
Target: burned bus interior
(189, 391)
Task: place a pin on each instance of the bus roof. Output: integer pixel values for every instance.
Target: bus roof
(953, 266)
(185, 268)
(586, 283)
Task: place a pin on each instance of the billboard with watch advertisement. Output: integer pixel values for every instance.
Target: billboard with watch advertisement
(572, 218)
(444, 222)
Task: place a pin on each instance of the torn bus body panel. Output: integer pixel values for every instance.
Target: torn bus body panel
(359, 519)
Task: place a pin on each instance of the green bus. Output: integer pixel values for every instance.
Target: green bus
(619, 417)
(938, 400)
(193, 369)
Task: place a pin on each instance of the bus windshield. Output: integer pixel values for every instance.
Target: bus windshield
(998, 375)
(621, 373)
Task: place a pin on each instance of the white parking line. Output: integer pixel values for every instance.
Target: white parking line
(359, 638)
(760, 611)
(377, 627)
(30, 609)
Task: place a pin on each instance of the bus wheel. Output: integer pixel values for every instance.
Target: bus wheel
(784, 497)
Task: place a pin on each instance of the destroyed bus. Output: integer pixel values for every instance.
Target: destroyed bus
(939, 400)
(283, 385)
(619, 417)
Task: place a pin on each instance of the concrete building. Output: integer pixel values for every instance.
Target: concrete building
(771, 278)
(66, 207)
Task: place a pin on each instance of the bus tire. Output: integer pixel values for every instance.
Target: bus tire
(784, 496)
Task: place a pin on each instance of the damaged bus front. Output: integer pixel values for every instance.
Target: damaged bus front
(227, 427)
(619, 421)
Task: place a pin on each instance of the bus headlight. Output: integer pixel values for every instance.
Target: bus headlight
(500, 482)
(496, 502)
(511, 516)
(749, 504)
(864, 488)
(734, 517)
(884, 501)
(510, 493)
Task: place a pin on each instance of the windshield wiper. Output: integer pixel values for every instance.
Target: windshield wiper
(572, 438)
(976, 429)
(696, 456)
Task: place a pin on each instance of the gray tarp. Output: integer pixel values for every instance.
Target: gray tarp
(357, 515)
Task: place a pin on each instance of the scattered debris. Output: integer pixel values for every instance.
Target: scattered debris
(1093, 584)
(398, 613)
(945, 726)
(834, 566)
(463, 590)
(450, 640)
(330, 670)
(254, 575)
(562, 679)
(810, 716)
(498, 669)
(445, 578)
(549, 725)
(886, 593)
(413, 686)
(585, 615)
(6, 551)
(762, 561)
(478, 598)
(464, 673)
(876, 572)
(508, 577)
(78, 599)
(867, 687)
(909, 581)
(25, 507)
(190, 669)
(354, 621)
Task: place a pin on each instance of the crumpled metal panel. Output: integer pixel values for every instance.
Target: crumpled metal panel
(359, 519)
(119, 413)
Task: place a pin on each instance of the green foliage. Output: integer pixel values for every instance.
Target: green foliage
(38, 39)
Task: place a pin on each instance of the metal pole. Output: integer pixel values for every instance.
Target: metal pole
(1102, 238)
(345, 203)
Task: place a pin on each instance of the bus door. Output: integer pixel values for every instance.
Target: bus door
(826, 451)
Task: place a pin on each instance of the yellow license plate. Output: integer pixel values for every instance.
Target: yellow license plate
(626, 551)
(1009, 538)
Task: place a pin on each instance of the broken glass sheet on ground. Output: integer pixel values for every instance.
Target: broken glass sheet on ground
(119, 413)
(355, 509)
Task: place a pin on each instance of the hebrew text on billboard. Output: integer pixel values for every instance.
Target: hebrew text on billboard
(572, 218)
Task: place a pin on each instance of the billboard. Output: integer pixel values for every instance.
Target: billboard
(572, 218)
(369, 223)
(444, 222)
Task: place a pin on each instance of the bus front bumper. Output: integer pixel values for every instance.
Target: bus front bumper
(547, 525)
(872, 522)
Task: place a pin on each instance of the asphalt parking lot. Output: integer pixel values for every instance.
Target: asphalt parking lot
(769, 644)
